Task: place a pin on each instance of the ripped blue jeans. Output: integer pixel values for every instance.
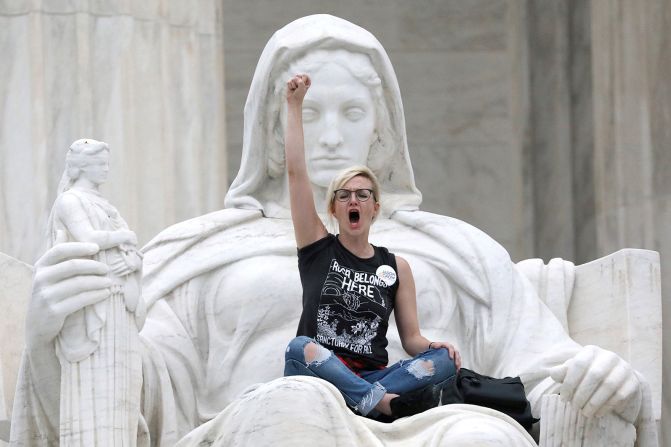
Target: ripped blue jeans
(431, 367)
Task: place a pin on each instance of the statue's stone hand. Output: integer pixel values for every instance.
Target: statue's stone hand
(118, 266)
(128, 237)
(598, 381)
(64, 282)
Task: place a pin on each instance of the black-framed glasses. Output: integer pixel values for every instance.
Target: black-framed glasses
(343, 195)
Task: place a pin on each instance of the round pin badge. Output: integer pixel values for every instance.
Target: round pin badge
(386, 274)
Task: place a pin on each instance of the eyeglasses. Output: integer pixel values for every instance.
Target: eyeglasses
(343, 195)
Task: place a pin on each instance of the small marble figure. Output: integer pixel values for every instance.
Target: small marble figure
(98, 345)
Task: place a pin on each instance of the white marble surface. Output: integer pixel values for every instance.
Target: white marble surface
(570, 428)
(628, 317)
(318, 415)
(16, 279)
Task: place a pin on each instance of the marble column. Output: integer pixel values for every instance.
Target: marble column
(550, 128)
(146, 77)
(561, 146)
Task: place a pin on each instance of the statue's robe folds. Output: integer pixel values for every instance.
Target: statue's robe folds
(224, 300)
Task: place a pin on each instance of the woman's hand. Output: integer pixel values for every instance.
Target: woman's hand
(297, 87)
(454, 354)
(64, 282)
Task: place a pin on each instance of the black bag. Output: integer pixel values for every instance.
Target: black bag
(505, 395)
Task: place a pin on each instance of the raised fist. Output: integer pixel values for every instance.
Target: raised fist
(297, 86)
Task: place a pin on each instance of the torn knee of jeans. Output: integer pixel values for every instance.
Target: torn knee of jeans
(315, 354)
(421, 368)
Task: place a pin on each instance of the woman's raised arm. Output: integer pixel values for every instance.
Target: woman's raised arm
(308, 227)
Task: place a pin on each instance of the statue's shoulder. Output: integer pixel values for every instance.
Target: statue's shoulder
(456, 234)
(436, 223)
(202, 226)
(177, 253)
(68, 198)
(71, 205)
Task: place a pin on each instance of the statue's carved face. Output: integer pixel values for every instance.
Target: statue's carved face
(96, 170)
(338, 123)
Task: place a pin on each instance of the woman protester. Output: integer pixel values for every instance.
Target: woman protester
(351, 287)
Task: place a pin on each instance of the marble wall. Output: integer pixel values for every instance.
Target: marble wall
(146, 77)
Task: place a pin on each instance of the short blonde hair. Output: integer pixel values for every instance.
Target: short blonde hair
(344, 177)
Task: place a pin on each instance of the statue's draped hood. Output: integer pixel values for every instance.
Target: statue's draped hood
(253, 188)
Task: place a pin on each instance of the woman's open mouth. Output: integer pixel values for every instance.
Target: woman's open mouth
(354, 216)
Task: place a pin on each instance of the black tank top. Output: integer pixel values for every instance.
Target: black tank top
(347, 300)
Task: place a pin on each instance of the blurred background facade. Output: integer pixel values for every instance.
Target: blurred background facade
(547, 124)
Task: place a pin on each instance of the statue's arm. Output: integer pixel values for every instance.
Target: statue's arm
(597, 381)
(70, 211)
(308, 227)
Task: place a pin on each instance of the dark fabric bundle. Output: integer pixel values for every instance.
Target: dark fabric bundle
(505, 395)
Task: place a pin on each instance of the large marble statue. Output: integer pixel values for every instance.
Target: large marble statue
(224, 296)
